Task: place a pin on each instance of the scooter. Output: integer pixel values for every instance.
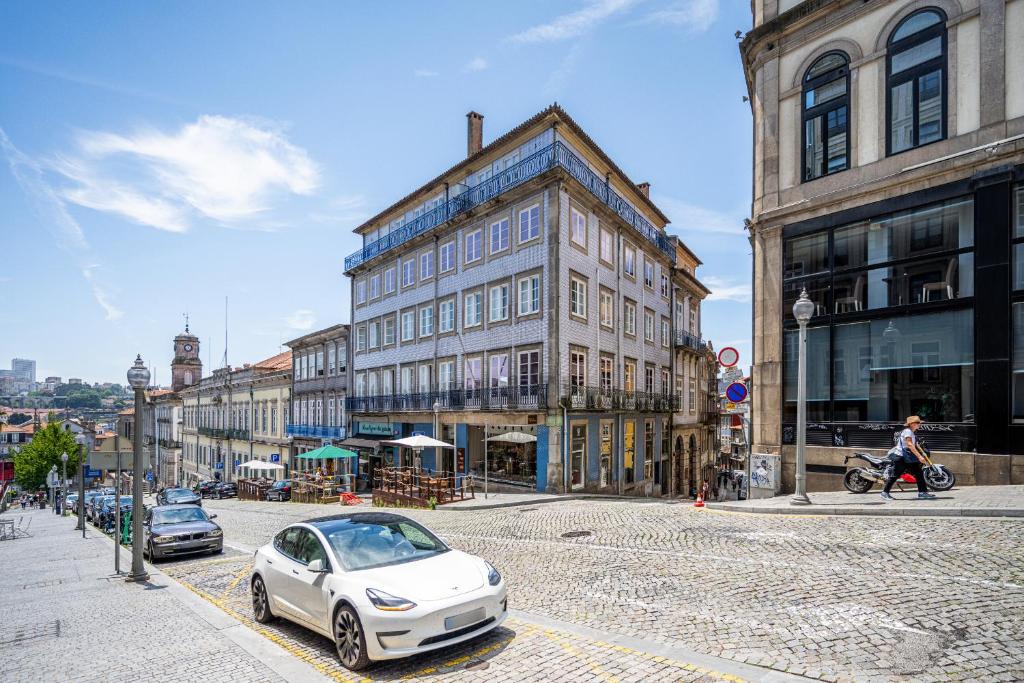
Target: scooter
(861, 479)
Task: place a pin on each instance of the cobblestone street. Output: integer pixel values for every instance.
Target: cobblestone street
(850, 598)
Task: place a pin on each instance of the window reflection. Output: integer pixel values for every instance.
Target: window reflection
(1018, 362)
(817, 374)
(806, 256)
(817, 291)
(941, 279)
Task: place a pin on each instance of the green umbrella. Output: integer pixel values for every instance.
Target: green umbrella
(328, 453)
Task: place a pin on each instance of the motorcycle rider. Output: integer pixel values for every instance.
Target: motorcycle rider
(911, 461)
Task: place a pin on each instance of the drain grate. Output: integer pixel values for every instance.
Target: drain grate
(478, 666)
(575, 534)
(27, 632)
(528, 510)
(42, 584)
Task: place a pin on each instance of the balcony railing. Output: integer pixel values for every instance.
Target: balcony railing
(167, 443)
(239, 434)
(517, 397)
(556, 154)
(690, 341)
(316, 431)
(595, 398)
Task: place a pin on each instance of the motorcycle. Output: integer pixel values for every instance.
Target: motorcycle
(861, 479)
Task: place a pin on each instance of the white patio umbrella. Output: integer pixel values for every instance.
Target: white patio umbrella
(260, 465)
(418, 443)
(513, 437)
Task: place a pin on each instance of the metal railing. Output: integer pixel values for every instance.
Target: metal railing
(690, 340)
(316, 431)
(216, 433)
(168, 443)
(555, 154)
(513, 397)
(596, 398)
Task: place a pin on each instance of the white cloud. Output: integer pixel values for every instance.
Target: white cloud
(686, 217)
(425, 73)
(112, 311)
(475, 64)
(302, 319)
(224, 169)
(573, 24)
(350, 208)
(560, 76)
(723, 289)
(696, 15)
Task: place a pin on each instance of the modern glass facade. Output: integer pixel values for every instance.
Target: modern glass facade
(1017, 380)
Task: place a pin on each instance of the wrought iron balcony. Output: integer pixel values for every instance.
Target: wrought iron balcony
(516, 397)
(168, 443)
(690, 341)
(556, 154)
(594, 398)
(316, 431)
(239, 434)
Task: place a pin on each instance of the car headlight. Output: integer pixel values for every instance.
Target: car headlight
(163, 539)
(387, 602)
(493, 577)
(215, 533)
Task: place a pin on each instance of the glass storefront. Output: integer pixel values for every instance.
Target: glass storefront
(893, 328)
(1018, 362)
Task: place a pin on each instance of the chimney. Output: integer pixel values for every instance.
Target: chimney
(645, 189)
(474, 133)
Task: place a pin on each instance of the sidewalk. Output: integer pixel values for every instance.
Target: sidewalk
(64, 617)
(969, 501)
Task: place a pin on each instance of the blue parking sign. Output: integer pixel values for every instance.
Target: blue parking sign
(275, 457)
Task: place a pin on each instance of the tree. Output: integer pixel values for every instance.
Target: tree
(18, 419)
(35, 459)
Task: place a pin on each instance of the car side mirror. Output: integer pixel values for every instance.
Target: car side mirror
(317, 567)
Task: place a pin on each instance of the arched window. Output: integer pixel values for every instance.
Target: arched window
(826, 115)
(916, 80)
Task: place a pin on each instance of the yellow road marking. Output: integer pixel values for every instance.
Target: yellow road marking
(234, 582)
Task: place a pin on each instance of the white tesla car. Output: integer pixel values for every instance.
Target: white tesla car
(379, 584)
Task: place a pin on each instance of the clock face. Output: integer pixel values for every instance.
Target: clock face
(188, 347)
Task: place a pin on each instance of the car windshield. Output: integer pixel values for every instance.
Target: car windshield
(367, 545)
(176, 515)
(175, 494)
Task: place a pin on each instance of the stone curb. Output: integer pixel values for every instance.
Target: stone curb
(874, 511)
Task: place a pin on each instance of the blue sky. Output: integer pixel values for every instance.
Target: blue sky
(157, 157)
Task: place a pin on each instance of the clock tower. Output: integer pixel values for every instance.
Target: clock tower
(186, 368)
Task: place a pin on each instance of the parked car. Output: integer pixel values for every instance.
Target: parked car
(421, 595)
(107, 516)
(204, 488)
(89, 495)
(70, 501)
(92, 512)
(177, 496)
(225, 489)
(185, 529)
(280, 490)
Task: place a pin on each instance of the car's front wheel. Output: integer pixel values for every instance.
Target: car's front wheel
(350, 640)
(261, 602)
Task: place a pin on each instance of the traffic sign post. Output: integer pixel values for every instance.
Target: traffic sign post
(275, 457)
(728, 357)
(736, 392)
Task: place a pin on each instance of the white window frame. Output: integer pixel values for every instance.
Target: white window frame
(629, 260)
(388, 338)
(629, 317)
(606, 308)
(505, 294)
(409, 272)
(577, 227)
(607, 239)
(389, 280)
(649, 269)
(373, 334)
(473, 309)
(411, 328)
(477, 236)
(578, 297)
(360, 292)
(532, 300)
(649, 325)
(426, 321)
(426, 265)
(503, 244)
(532, 223)
(446, 316)
(446, 257)
(375, 286)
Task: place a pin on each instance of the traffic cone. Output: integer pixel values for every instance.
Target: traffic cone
(699, 503)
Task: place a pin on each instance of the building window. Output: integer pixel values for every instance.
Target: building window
(629, 261)
(607, 249)
(389, 281)
(389, 333)
(693, 390)
(409, 273)
(529, 368)
(360, 344)
(577, 367)
(664, 286)
(427, 321)
(374, 334)
(424, 370)
(666, 382)
(529, 224)
(499, 302)
(649, 379)
(375, 286)
(578, 297)
(629, 317)
(629, 449)
(648, 273)
(529, 295)
(649, 450)
(629, 375)
(473, 376)
(408, 326)
(446, 257)
(916, 81)
(446, 316)
(578, 227)
(665, 335)
(426, 265)
(446, 375)
(1018, 240)
(578, 454)
(607, 309)
(499, 236)
(361, 292)
(826, 107)
(499, 371)
(474, 245)
(331, 359)
(474, 309)
(607, 372)
(1018, 362)
(649, 325)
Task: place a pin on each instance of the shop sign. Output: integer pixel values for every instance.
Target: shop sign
(377, 428)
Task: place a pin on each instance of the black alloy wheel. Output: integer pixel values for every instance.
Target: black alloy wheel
(261, 602)
(350, 640)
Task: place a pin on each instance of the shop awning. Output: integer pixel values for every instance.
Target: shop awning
(328, 453)
(513, 437)
(355, 442)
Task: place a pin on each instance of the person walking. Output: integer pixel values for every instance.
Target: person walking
(911, 461)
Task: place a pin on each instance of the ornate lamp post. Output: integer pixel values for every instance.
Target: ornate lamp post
(138, 378)
(82, 460)
(64, 467)
(803, 309)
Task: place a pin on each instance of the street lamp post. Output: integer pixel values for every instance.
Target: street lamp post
(138, 378)
(64, 467)
(53, 487)
(82, 464)
(803, 309)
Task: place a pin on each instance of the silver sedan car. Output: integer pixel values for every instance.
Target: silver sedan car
(173, 530)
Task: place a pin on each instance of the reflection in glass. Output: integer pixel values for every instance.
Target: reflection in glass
(836, 139)
(1018, 362)
(918, 54)
(1018, 266)
(806, 255)
(817, 374)
(902, 116)
(817, 291)
(929, 108)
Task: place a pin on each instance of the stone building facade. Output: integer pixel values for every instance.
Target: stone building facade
(527, 288)
(319, 388)
(887, 181)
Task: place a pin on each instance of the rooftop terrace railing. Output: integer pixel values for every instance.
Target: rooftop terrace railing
(555, 154)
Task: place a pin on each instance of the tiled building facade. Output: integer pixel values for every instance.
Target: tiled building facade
(319, 388)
